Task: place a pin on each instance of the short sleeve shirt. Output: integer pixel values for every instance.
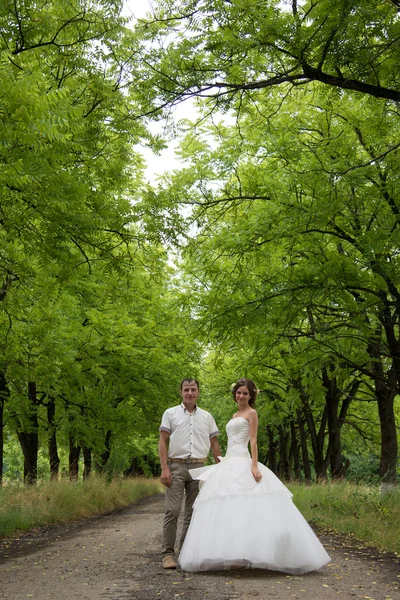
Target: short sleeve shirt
(190, 434)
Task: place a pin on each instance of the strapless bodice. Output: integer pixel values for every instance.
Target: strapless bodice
(238, 430)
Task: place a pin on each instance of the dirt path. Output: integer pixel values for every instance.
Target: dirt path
(117, 557)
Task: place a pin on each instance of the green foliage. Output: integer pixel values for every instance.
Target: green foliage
(23, 508)
(360, 511)
(227, 52)
(293, 269)
(87, 314)
(363, 469)
(286, 222)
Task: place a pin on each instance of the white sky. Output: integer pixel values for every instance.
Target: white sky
(137, 8)
(166, 161)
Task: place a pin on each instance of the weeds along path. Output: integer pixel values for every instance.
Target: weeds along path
(117, 557)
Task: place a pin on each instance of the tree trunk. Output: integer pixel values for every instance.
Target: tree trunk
(386, 389)
(332, 401)
(295, 451)
(317, 438)
(271, 459)
(105, 455)
(134, 468)
(3, 395)
(389, 447)
(87, 462)
(284, 463)
(74, 453)
(304, 447)
(29, 440)
(1, 433)
(54, 459)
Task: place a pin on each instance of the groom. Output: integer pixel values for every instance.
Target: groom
(186, 434)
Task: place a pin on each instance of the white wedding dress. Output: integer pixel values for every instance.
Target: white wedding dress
(239, 522)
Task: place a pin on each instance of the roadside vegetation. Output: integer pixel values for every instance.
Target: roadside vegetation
(23, 508)
(361, 511)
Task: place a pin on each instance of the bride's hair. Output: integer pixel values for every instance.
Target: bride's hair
(251, 386)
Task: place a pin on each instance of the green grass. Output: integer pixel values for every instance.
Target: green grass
(23, 508)
(357, 510)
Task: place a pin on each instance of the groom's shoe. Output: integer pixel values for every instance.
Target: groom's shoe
(169, 562)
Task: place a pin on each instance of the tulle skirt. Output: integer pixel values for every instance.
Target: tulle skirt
(237, 522)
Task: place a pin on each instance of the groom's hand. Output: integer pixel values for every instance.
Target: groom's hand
(166, 477)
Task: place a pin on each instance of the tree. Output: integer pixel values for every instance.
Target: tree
(227, 51)
(298, 215)
(306, 181)
(86, 315)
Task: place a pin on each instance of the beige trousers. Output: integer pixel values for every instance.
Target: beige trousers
(182, 486)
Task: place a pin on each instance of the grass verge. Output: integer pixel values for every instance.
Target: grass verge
(23, 508)
(358, 510)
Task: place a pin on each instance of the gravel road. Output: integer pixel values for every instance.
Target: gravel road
(117, 557)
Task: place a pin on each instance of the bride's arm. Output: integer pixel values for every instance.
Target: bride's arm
(253, 421)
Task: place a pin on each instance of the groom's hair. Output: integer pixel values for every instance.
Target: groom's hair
(189, 380)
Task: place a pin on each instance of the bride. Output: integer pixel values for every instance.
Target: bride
(244, 516)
